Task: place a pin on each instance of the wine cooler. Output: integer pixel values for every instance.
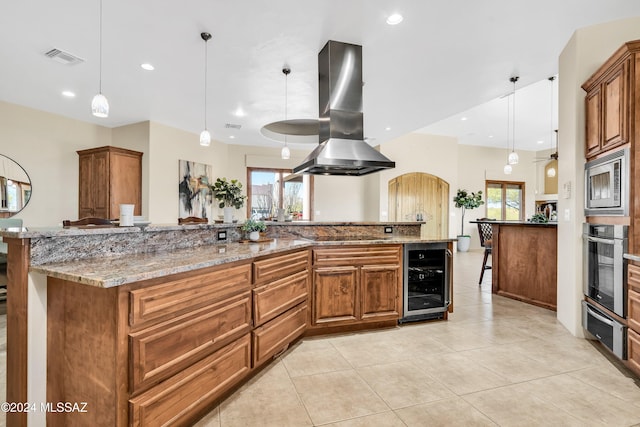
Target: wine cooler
(426, 281)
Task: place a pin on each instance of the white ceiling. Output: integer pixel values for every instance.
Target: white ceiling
(445, 58)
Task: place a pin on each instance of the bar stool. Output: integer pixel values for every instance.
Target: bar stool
(486, 234)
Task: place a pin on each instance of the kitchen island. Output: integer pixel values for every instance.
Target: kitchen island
(524, 261)
(140, 318)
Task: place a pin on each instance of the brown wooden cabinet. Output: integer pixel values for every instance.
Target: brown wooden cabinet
(607, 108)
(633, 317)
(109, 176)
(279, 303)
(175, 401)
(356, 285)
(156, 352)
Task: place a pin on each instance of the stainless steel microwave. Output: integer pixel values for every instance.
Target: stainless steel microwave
(606, 187)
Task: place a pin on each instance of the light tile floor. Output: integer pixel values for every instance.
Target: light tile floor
(496, 361)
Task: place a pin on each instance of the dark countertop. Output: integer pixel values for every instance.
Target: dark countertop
(536, 224)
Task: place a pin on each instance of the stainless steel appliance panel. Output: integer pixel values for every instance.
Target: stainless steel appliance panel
(606, 329)
(606, 189)
(426, 281)
(604, 266)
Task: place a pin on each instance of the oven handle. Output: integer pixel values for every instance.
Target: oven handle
(599, 316)
(599, 240)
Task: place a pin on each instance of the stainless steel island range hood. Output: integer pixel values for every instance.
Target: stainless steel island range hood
(342, 149)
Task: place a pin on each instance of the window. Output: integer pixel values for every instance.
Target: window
(273, 189)
(505, 200)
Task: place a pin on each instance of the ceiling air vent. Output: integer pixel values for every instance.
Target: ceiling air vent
(232, 126)
(63, 57)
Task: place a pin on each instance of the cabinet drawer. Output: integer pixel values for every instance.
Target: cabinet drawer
(276, 335)
(364, 255)
(633, 310)
(193, 390)
(184, 293)
(162, 350)
(275, 298)
(633, 350)
(633, 277)
(277, 267)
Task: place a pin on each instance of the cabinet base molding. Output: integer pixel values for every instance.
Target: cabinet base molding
(326, 330)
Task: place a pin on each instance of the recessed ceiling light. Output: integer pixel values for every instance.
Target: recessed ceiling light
(239, 112)
(540, 142)
(490, 136)
(232, 137)
(68, 94)
(147, 66)
(387, 128)
(463, 118)
(394, 19)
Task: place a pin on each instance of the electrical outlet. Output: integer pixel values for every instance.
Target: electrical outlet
(222, 235)
(388, 230)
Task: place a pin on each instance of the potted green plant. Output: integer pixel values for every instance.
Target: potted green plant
(229, 194)
(466, 200)
(254, 228)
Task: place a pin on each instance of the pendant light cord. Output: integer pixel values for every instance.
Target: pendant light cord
(508, 125)
(286, 71)
(551, 79)
(100, 52)
(205, 80)
(513, 129)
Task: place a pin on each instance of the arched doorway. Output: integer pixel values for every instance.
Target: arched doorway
(417, 194)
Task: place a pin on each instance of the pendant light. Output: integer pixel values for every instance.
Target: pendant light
(205, 136)
(285, 153)
(551, 172)
(507, 168)
(99, 104)
(513, 156)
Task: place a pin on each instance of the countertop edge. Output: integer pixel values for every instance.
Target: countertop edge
(154, 266)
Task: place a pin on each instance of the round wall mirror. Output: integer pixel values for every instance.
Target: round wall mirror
(15, 187)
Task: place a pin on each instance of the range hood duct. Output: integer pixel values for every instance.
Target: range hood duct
(342, 149)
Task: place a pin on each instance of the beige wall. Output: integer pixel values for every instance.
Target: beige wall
(136, 137)
(167, 145)
(45, 145)
(583, 54)
(462, 166)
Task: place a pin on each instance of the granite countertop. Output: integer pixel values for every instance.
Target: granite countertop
(58, 231)
(107, 272)
(550, 223)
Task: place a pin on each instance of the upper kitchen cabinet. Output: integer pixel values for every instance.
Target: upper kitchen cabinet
(610, 102)
(109, 176)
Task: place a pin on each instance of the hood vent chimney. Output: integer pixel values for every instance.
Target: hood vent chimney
(342, 149)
